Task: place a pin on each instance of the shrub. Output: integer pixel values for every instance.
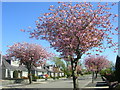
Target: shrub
(54, 77)
(109, 74)
(49, 77)
(110, 77)
(58, 77)
(35, 77)
(107, 71)
(117, 87)
(88, 72)
(40, 77)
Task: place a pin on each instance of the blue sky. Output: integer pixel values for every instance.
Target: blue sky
(59, 0)
(21, 15)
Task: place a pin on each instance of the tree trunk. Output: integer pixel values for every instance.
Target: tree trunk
(54, 76)
(29, 76)
(96, 72)
(74, 75)
(75, 80)
(92, 76)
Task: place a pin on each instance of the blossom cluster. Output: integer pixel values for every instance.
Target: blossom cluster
(96, 63)
(28, 53)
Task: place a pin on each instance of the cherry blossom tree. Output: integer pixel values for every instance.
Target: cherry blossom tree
(30, 55)
(75, 28)
(96, 63)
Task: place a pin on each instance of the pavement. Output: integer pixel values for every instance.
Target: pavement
(97, 84)
(85, 83)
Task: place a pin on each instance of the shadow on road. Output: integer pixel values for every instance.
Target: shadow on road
(101, 84)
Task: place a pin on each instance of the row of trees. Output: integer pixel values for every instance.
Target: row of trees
(92, 63)
(33, 55)
(74, 29)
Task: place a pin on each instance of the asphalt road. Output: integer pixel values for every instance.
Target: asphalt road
(61, 83)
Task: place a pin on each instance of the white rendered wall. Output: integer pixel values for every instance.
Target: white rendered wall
(6, 72)
(39, 73)
(56, 74)
(24, 74)
(11, 74)
(52, 74)
(40, 67)
(15, 63)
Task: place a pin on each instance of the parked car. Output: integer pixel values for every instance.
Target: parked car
(41, 76)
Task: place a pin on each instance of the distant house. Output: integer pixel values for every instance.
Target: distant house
(37, 71)
(54, 71)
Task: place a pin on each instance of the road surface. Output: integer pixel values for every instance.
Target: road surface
(61, 83)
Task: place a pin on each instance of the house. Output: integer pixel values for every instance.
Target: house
(12, 69)
(54, 71)
(37, 71)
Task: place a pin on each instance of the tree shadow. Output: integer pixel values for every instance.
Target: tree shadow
(101, 84)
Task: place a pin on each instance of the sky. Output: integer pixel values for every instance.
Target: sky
(21, 15)
(59, 0)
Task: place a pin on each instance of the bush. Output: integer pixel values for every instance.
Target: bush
(40, 77)
(110, 77)
(57, 77)
(109, 74)
(106, 71)
(117, 87)
(35, 77)
(88, 72)
(49, 77)
(54, 77)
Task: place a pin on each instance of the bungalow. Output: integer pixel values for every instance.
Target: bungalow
(13, 69)
(54, 71)
(37, 71)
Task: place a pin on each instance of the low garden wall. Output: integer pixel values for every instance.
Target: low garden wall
(15, 81)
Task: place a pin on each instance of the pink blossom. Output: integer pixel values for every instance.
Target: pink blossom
(96, 63)
(26, 52)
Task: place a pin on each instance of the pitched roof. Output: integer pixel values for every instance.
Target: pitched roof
(6, 65)
(40, 70)
(22, 68)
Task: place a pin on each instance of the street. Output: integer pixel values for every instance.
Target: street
(60, 83)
